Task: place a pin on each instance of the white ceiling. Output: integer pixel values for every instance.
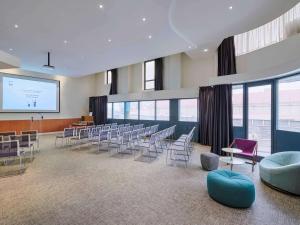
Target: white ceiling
(174, 25)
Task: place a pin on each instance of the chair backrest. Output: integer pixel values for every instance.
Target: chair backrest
(8, 133)
(114, 133)
(69, 132)
(135, 127)
(83, 134)
(134, 135)
(9, 148)
(127, 125)
(114, 126)
(33, 134)
(126, 137)
(106, 127)
(247, 146)
(24, 140)
(120, 126)
(103, 136)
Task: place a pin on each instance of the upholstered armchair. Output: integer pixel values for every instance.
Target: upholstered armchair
(248, 147)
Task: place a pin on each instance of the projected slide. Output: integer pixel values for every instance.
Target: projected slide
(28, 95)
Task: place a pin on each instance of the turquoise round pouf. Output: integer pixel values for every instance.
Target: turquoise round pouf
(230, 188)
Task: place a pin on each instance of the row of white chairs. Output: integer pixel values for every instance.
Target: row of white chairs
(181, 149)
(157, 142)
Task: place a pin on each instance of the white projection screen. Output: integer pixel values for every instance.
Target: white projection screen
(29, 94)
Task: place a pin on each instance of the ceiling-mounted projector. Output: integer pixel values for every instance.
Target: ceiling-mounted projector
(48, 66)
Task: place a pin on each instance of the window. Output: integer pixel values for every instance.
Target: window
(237, 105)
(118, 110)
(188, 110)
(270, 33)
(289, 104)
(147, 110)
(108, 77)
(109, 110)
(149, 70)
(163, 110)
(260, 117)
(132, 110)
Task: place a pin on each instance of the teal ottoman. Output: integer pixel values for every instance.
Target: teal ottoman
(230, 188)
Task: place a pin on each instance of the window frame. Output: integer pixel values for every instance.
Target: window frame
(112, 109)
(154, 110)
(243, 106)
(107, 75)
(157, 100)
(197, 119)
(138, 102)
(113, 106)
(145, 72)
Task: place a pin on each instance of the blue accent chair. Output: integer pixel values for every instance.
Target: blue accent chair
(282, 171)
(230, 188)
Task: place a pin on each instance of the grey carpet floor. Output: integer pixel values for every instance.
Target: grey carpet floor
(83, 186)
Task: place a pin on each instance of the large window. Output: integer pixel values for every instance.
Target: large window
(270, 33)
(118, 110)
(188, 110)
(147, 110)
(237, 105)
(163, 110)
(260, 117)
(108, 77)
(132, 110)
(149, 79)
(109, 110)
(289, 104)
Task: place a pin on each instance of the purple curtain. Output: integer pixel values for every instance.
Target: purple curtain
(98, 106)
(159, 70)
(206, 97)
(222, 135)
(226, 57)
(114, 82)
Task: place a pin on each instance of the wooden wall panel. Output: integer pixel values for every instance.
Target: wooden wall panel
(43, 126)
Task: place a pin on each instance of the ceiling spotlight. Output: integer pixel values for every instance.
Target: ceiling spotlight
(144, 19)
(10, 49)
(190, 47)
(109, 40)
(16, 26)
(205, 50)
(150, 36)
(101, 6)
(65, 41)
(230, 7)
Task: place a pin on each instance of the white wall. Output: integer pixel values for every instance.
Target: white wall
(182, 78)
(74, 94)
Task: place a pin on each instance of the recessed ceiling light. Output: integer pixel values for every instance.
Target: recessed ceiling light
(109, 40)
(150, 36)
(144, 19)
(190, 47)
(65, 41)
(101, 6)
(230, 7)
(10, 49)
(205, 50)
(16, 26)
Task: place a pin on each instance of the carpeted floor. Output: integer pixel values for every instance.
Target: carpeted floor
(84, 186)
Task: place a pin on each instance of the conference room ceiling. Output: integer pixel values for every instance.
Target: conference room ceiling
(90, 36)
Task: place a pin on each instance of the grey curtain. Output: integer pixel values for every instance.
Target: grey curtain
(98, 106)
(114, 82)
(159, 70)
(206, 100)
(222, 135)
(226, 57)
